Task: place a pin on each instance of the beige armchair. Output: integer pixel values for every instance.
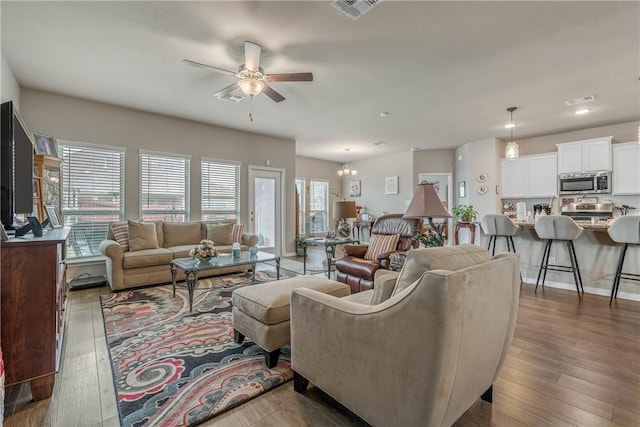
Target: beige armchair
(424, 355)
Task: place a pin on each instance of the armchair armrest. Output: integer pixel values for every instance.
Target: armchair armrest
(357, 251)
(111, 249)
(383, 285)
(249, 239)
(114, 253)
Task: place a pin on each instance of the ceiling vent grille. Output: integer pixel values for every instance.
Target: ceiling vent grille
(354, 9)
(581, 100)
(231, 97)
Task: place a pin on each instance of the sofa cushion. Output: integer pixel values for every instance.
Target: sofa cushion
(181, 233)
(380, 244)
(220, 234)
(120, 233)
(147, 258)
(442, 258)
(238, 231)
(142, 235)
(181, 251)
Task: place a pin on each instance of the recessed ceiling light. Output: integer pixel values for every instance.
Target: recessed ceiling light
(582, 111)
(509, 125)
(415, 148)
(378, 143)
(384, 114)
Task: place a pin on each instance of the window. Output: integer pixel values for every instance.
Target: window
(92, 190)
(220, 189)
(164, 186)
(318, 206)
(301, 190)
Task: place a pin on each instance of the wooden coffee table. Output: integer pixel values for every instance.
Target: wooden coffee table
(192, 268)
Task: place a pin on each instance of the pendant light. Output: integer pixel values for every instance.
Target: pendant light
(347, 169)
(512, 147)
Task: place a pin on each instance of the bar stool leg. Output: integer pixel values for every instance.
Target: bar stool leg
(575, 257)
(543, 264)
(546, 264)
(510, 239)
(489, 245)
(574, 268)
(616, 280)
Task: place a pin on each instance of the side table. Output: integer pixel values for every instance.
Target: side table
(329, 248)
(464, 224)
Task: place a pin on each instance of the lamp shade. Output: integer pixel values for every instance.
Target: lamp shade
(426, 204)
(344, 209)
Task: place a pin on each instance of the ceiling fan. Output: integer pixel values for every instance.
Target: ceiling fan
(253, 79)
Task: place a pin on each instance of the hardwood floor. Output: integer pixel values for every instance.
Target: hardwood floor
(572, 363)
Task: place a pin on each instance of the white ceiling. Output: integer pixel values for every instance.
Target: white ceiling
(445, 71)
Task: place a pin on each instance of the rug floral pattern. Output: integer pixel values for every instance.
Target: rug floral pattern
(172, 367)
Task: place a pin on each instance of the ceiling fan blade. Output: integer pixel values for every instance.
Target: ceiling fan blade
(252, 56)
(272, 94)
(290, 77)
(208, 67)
(226, 91)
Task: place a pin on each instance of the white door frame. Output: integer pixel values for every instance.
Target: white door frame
(282, 172)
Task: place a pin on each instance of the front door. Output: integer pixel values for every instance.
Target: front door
(265, 204)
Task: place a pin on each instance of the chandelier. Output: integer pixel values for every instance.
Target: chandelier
(511, 150)
(347, 169)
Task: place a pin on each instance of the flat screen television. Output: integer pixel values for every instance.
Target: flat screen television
(16, 166)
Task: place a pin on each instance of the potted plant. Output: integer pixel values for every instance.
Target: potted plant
(301, 244)
(464, 213)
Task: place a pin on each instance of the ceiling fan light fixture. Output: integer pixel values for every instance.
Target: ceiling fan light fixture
(251, 87)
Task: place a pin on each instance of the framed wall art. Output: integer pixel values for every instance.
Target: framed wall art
(46, 145)
(391, 185)
(462, 190)
(354, 189)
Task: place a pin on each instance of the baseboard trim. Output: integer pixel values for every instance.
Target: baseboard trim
(587, 289)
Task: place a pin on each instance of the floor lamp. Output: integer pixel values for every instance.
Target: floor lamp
(426, 204)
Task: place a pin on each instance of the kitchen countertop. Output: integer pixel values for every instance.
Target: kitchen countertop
(587, 225)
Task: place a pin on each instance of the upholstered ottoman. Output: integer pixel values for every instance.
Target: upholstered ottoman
(261, 312)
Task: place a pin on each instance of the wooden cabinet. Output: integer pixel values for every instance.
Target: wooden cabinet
(585, 156)
(530, 176)
(32, 309)
(47, 184)
(626, 168)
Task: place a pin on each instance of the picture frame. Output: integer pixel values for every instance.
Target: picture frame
(355, 189)
(3, 234)
(391, 185)
(462, 190)
(54, 218)
(45, 145)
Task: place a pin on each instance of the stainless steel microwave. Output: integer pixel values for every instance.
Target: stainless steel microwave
(584, 183)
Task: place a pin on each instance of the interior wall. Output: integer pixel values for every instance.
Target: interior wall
(622, 132)
(433, 162)
(76, 119)
(472, 160)
(372, 173)
(9, 87)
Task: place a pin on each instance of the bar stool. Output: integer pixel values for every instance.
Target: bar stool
(564, 229)
(625, 230)
(498, 225)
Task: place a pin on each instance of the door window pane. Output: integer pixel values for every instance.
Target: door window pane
(265, 210)
(302, 200)
(318, 206)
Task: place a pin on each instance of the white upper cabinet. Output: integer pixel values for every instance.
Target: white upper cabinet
(530, 176)
(585, 156)
(626, 168)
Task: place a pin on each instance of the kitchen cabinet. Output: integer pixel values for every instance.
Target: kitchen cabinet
(530, 176)
(585, 156)
(626, 169)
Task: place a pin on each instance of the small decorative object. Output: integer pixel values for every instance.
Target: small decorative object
(462, 189)
(391, 185)
(235, 250)
(253, 250)
(204, 251)
(482, 189)
(46, 145)
(431, 238)
(54, 218)
(482, 177)
(330, 234)
(354, 189)
(464, 213)
(301, 244)
(358, 209)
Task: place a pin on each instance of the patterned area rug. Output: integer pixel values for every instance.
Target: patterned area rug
(176, 368)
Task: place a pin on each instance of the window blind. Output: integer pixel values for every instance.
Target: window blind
(164, 187)
(220, 190)
(92, 191)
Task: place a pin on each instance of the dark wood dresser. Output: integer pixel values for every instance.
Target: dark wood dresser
(32, 309)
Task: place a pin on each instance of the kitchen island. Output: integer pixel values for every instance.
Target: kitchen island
(597, 257)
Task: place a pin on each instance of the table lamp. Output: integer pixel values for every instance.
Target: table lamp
(426, 204)
(342, 210)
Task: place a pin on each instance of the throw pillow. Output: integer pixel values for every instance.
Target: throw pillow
(381, 243)
(221, 234)
(238, 231)
(142, 235)
(120, 233)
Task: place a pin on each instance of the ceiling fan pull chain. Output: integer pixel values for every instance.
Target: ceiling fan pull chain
(251, 109)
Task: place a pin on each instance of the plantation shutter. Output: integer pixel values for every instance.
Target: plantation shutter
(220, 190)
(92, 191)
(164, 186)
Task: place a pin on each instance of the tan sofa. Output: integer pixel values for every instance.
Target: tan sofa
(129, 269)
(424, 355)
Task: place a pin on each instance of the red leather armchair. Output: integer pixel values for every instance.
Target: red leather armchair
(356, 271)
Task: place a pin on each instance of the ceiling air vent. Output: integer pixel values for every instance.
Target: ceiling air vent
(354, 9)
(231, 97)
(581, 100)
